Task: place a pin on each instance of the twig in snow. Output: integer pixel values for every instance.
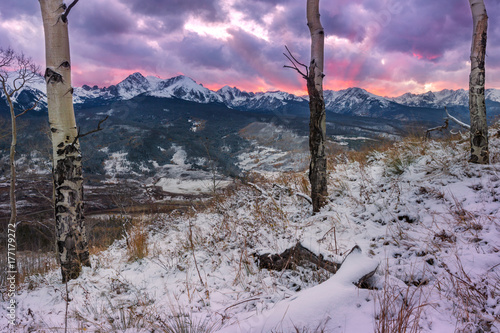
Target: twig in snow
(304, 196)
(258, 189)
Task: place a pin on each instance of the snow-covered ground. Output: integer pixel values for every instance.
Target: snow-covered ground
(177, 177)
(427, 218)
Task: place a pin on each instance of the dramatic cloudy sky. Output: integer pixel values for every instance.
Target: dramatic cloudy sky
(385, 46)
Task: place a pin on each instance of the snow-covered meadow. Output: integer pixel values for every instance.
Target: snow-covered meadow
(418, 210)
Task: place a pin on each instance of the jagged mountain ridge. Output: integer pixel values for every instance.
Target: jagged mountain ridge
(440, 99)
(354, 101)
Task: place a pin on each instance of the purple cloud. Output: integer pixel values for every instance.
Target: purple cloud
(381, 45)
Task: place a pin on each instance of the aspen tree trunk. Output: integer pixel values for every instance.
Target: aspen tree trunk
(67, 160)
(317, 123)
(12, 154)
(12, 161)
(477, 106)
(25, 71)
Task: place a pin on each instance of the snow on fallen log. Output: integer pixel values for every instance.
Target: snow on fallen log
(356, 268)
(297, 255)
(328, 306)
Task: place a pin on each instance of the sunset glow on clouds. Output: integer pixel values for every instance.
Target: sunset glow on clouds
(388, 47)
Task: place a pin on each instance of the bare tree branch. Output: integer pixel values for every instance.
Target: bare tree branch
(456, 121)
(29, 109)
(439, 128)
(446, 124)
(64, 17)
(93, 131)
(295, 63)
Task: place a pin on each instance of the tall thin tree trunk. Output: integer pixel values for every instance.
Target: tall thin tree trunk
(67, 160)
(12, 161)
(477, 106)
(317, 123)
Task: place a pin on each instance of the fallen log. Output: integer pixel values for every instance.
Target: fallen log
(298, 255)
(292, 257)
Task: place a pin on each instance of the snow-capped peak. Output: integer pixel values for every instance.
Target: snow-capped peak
(135, 84)
(353, 100)
(234, 97)
(184, 87)
(438, 99)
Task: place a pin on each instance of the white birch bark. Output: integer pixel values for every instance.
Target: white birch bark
(67, 160)
(477, 106)
(317, 123)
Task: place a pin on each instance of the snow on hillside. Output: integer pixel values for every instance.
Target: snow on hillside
(176, 177)
(180, 177)
(273, 148)
(430, 220)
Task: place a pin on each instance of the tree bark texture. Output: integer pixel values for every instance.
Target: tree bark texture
(477, 106)
(71, 239)
(317, 123)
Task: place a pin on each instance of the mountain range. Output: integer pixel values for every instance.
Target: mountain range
(152, 120)
(351, 101)
(348, 101)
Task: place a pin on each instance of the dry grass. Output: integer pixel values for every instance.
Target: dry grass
(319, 328)
(180, 321)
(102, 232)
(470, 294)
(398, 309)
(138, 240)
(110, 317)
(29, 263)
(298, 181)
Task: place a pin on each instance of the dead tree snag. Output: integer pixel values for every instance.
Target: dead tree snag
(477, 105)
(317, 122)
